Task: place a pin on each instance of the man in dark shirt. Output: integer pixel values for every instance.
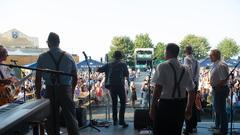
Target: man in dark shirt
(59, 88)
(115, 74)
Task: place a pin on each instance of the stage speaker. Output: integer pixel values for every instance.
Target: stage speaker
(142, 119)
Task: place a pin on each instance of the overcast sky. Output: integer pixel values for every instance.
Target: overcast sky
(90, 25)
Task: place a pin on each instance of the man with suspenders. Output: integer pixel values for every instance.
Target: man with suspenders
(193, 66)
(59, 88)
(169, 106)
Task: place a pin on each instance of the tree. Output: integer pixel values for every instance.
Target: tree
(199, 44)
(228, 47)
(143, 41)
(159, 51)
(124, 44)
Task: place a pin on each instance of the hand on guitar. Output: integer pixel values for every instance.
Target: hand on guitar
(8, 85)
(11, 86)
(8, 81)
(6, 93)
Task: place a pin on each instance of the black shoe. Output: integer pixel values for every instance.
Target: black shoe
(194, 130)
(123, 124)
(115, 123)
(219, 133)
(186, 132)
(214, 129)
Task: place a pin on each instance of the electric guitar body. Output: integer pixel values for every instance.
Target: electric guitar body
(7, 92)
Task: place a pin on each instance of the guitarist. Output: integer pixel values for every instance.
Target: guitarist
(6, 78)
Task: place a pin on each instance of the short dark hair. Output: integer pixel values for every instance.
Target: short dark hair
(3, 51)
(53, 39)
(217, 53)
(188, 49)
(173, 49)
(118, 55)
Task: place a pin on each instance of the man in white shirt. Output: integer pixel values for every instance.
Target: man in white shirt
(172, 81)
(193, 66)
(219, 82)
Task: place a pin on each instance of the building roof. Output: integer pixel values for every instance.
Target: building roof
(26, 51)
(15, 38)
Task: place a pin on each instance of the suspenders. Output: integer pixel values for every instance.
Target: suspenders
(57, 63)
(176, 83)
(196, 68)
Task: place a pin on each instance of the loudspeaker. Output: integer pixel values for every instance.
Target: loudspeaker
(142, 119)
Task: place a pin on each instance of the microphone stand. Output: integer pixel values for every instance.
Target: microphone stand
(108, 99)
(24, 90)
(38, 69)
(89, 98)
(231, 97)
(149, 127)
(231, 103)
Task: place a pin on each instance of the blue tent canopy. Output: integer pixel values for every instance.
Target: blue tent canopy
(232, 62)
(31, 65)
(82, 64)
(92, 64)
(205, 62)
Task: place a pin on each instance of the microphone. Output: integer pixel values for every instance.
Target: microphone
(85, 55)
(13, 60)
(106, 58)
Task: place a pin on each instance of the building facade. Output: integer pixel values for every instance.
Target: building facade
(23, 48)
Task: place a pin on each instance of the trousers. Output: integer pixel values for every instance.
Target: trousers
(61, 97)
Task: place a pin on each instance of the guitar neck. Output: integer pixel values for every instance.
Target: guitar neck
(22, 80)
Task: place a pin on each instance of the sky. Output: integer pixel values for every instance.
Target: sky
(90, 25)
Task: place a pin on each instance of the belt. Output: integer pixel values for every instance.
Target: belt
(64, 85)
(224, 86)
(173, 100)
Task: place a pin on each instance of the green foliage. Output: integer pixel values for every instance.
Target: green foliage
(159, 51)
(228, 48)
(124, 44)
(200, 46)
(143, 41)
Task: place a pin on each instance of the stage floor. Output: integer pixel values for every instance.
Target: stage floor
(202, 129)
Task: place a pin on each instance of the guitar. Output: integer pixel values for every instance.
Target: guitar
(7, 92)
